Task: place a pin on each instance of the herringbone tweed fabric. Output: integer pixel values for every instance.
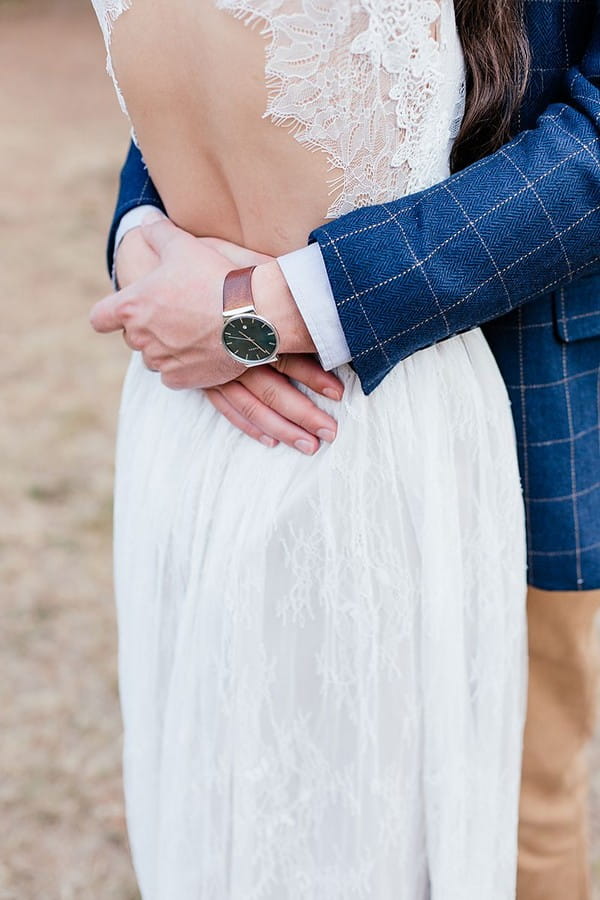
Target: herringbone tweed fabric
(513, 241)
(515, 236)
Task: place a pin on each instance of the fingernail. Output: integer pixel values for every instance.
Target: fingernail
(267, 441)
(326, 435)
(332, 394)
(304, 447)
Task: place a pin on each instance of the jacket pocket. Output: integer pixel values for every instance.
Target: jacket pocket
(577, 309)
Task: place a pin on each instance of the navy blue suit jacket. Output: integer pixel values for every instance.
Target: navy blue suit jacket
(512, 241)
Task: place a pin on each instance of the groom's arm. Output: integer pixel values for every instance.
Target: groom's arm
(383, 282)
(507, 229)
(136, 190)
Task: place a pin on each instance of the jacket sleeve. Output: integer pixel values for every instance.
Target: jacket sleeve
(135, 189)
(503, 231)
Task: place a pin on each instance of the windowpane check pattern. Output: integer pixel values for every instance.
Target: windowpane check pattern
(512, 241)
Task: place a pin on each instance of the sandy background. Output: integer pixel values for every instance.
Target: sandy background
(62, 139)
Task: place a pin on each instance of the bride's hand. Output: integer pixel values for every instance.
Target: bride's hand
(264, 404)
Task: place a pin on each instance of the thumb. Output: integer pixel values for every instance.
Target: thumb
(158, 231)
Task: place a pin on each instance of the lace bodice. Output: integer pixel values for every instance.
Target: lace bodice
(378, 85)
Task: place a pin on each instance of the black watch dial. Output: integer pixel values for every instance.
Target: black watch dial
(250, 338)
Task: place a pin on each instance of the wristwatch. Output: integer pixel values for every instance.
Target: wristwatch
(249, 338)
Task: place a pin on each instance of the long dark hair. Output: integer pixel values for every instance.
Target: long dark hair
(497, 58)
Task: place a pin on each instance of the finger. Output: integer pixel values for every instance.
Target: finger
(181, 369)
(277, 392)
(154, 361)
(307, 370)
(222, 405)
(269, 420)
(175, 379)
(158, 232)
(107, 314)
(135, 340)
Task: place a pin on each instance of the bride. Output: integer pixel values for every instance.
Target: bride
(321, 655)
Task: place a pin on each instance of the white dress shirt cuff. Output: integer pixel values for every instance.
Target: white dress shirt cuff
(306, 275)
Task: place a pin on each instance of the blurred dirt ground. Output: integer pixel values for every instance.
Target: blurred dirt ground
(62, 138)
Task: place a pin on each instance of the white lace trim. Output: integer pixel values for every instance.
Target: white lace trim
(108, 11)
(365, 82)
(362, 80)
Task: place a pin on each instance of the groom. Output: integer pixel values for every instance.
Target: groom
(512, 241)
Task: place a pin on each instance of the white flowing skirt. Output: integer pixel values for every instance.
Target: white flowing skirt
(322, 659)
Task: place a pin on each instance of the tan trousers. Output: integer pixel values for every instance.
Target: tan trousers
(561, 716)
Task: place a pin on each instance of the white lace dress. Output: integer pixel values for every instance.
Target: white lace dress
(322, 660)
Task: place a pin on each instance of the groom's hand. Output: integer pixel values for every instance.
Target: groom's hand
(174, 314)
(262, 402)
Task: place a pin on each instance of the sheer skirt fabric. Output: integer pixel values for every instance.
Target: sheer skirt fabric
(322, 660)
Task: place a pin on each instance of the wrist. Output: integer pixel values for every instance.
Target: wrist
(274, 300)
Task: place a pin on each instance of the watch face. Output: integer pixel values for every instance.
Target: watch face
(250, 339)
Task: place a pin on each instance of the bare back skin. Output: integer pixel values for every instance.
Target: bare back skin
(194, 83)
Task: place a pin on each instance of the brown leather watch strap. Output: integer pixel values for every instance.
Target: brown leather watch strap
(237, 289)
